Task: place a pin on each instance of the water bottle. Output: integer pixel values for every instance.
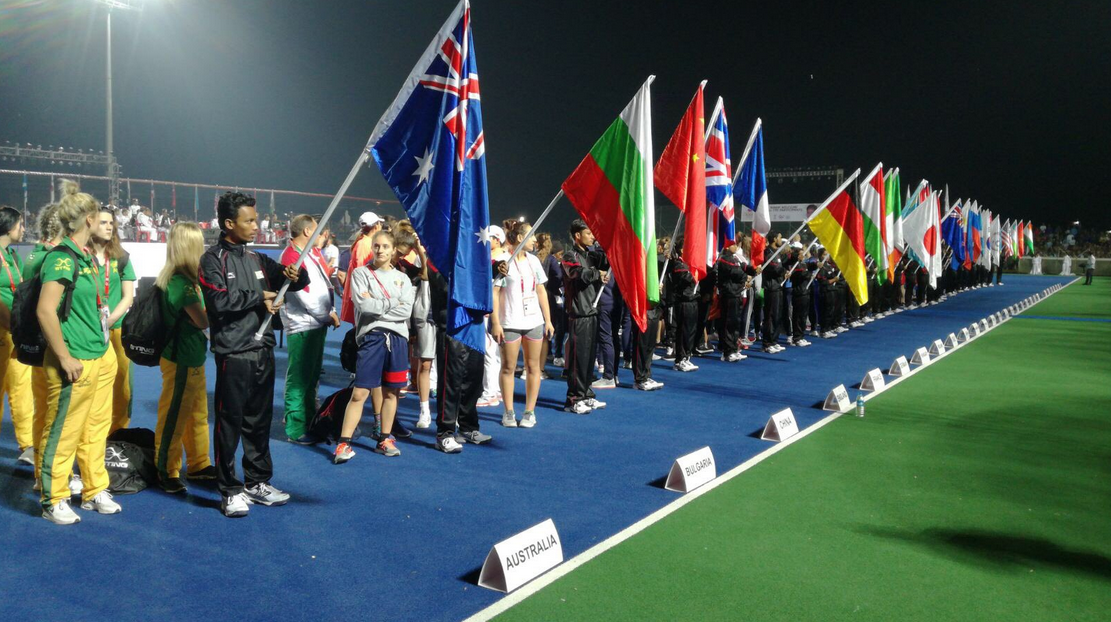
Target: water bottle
(859, 404)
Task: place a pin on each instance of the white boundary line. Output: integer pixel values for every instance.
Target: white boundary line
(566, 567)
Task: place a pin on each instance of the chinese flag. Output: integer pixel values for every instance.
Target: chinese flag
(681, 177)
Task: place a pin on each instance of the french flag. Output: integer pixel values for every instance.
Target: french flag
(751, 190)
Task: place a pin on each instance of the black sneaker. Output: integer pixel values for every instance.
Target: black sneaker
(704, 350)
(400, 431)
(172, 485)
(305, 439)
(207, 473)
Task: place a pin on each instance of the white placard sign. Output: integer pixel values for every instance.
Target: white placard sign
(781, 426)
(899, 367)
(921, 357)
(951, 341)
(691, 471)
(873, 381)
(937, 348)
(519, 559)
(974, 328)
(963, 335)
(984, 325)
(837, 400)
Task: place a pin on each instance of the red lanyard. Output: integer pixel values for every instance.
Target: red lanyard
(96, 273)
(517, 264)
(11, 279)
(107, 274)
(379, 283)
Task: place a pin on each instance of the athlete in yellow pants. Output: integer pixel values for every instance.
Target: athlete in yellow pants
(121, 390)
(16, 383)
(182, 418)
(76, 424)
(39, 390)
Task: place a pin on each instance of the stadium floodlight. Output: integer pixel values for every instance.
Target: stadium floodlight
(113, 174)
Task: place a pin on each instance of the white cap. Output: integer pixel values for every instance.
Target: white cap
(495, 231)
(796, 244)
(369, 219)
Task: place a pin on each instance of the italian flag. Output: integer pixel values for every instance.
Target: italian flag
(839, 226)
(1028, 235)
(875, 223)
(893, 216)
(612, 190)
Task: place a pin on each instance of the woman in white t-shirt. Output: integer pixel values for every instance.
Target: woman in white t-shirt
(521, 315)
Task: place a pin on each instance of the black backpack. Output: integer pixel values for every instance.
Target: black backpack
(329, 417)
(144, 332)
(349, 352)
(27, 337)
(129, 460)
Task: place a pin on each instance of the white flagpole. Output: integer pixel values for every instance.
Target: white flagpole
(363, 157)
(536, 226)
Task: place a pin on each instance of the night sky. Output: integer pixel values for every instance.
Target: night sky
(1008, 103)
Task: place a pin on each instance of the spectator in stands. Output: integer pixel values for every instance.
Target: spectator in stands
(145, 226)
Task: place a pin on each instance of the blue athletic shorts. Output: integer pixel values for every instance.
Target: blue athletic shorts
(383, 361)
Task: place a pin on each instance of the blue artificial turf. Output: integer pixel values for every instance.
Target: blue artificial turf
(403, 538)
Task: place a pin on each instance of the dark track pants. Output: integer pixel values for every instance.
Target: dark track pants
(731, 324)
(582, 333)
(773, 298)
(686, 322)
(244, 409)
(459, 384)
(800, 307)
(643, 346)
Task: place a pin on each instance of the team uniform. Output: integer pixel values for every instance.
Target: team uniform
(731, 277)
(306, 316)
(15, 377)
(78, 415)
(459, 370)
(114, 272)
(232, 280)
(581, 280)
(773, 301)
(183, 405)
(684, 312)
(800, 276)
(38, 376)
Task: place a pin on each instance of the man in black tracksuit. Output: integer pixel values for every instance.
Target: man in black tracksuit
(240, 287)
(773, 298)
(460, 370)
(681, 289)
(584, 273)
(731, 278)
(800, 297)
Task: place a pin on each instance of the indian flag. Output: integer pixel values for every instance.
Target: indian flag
(839, 226)
(1028, 237)
(612, 190)
(893, 216)
(875, 224)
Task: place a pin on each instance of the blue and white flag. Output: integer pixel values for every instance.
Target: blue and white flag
(430, 148)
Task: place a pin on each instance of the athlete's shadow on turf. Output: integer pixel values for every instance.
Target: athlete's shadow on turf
(1001, 551)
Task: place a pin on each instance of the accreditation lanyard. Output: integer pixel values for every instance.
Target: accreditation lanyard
(102, 308)
(527, 300)
(7, 266)
(383, 287)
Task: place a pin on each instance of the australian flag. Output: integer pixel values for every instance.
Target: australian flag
(952, 231)
(719, 184)
(430, 148)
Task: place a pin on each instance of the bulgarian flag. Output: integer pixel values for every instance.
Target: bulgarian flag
(1028, 237)
(893, 218)
(839, 226)
(872, 208)
(612, 190)
(681, 177)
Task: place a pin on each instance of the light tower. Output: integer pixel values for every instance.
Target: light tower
(113, 165)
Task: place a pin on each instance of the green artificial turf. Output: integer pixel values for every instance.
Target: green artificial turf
(979, 489)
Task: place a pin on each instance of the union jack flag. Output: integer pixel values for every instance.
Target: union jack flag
(720, 226)
(430, 147)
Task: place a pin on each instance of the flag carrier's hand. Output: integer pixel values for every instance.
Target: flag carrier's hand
(292, 272)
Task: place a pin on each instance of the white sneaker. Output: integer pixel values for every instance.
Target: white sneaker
(558, 361)
(102, 503)
(829, 334)
(448, 444)
(648, 385)
(802, 343)
(669, 353)
(28, 456)
(655, 384)
(840, 329)
(579, 408)
(424, 421)
(61, 514)
(868, 320)
(857, 324)
(265, 494)
(76, 486)
(736, 356)
(236, 506)
(595, 404)
(656, 357)
(685, 366)
(509, 419)
(528, 420)
(486, 401)
(604, 383)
